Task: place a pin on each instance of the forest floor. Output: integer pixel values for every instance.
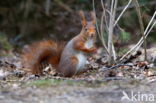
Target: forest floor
(133, 82)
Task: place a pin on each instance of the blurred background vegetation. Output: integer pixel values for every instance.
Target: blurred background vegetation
(25, 21)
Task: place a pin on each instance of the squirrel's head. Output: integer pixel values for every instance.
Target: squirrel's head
(88, 27)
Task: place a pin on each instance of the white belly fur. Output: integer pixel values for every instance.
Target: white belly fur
(81, 61)
(89, 43)
(82, 58)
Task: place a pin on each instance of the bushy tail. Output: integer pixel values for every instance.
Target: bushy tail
(42, 52)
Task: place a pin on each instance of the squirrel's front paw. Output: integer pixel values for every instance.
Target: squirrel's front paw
(93, 49)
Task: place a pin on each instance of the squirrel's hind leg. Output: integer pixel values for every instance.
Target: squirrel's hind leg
(68, 68)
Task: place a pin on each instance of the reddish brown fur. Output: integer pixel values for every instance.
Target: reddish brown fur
(81, 39)
(70, 64)
(50, 52)
(79, 45)
(39, 52)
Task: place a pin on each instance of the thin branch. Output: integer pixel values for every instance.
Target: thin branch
(141, 40)
(146, 35)
(102, 31)
(96, 18)
(114, 15)
(98, 31)
(110, 35)
(141, 26)
(47, 7)
(150, 28)
(125, 8)
(27, 8)
(111, 26)
(101, 35)
(102, 23)
(150, 23)
(63, 5)
(104, 14)
(150, 3)
(114, 53)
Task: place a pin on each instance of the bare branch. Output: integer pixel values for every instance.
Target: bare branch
(125, 8)
(111, 27)
(141, 26)
(47, 7)
(98, 31)
(150, 23)
(96, 18)
(104, 14)
(146, 33)
(149, 3)
(63, 5)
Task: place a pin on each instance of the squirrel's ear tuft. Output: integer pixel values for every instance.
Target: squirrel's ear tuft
(83, 19)
(93, 15)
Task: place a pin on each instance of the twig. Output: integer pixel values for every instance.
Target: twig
(104, 14)
(141, 5)
(141, 26)
(119, 65)
(47, 7)
(150, 22)
(114, 53)
(96, 18)
(150, 28)
(141, 40)
(125, 8)
(27, 8)
(102, 32)
(111, 26)
(98, 31)
(114, 15)
(146, 35)
(110, 35)
(66, 7)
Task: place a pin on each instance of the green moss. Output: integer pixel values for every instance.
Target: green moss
(125, 36)
(4, 42)
(45, 82)
(54, 82)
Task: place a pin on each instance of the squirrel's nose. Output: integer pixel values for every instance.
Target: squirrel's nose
(91, 35)
(92, 30)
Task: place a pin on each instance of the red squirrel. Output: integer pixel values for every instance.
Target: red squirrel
(68, 59)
